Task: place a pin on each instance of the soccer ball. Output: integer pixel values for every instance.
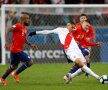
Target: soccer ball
(104, 79)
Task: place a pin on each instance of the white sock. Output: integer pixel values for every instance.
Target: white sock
(78, 72)
(89, 71)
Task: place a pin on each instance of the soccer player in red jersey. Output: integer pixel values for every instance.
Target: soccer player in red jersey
(89, 33)
(80, 36)
(89, 37)
(19, 33)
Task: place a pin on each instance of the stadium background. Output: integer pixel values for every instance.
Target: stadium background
(53, 1)
(49, 76)
(39, 21)
(49, 48)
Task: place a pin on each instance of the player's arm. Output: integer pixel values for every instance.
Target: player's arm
(7, 45)
(31, 45)
(94, 43)
(92, 34)
(88, 43)
(45, 32)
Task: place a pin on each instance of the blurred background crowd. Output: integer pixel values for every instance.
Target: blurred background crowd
(12, 15)
(98, 16)
(53, 1)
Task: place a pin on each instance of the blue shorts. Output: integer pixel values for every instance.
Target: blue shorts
(16, 58)
(84, 51)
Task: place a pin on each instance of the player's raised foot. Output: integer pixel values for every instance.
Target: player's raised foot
(16, 77)
(3, 81)
(67, 78)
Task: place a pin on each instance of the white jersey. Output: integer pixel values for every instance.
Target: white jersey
(72, 49)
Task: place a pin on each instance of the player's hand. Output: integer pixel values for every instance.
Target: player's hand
(32, 33)
(34, 46)
(7, 45)
(87, 39)
(99, 43)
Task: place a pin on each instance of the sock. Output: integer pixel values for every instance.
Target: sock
(89, 71)
(74, 69)
(8, 71)
(78, 72)
(22, 68)
(88, 65)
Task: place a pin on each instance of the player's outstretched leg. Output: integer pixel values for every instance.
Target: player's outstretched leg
(21, 69)
(5, 75)
(86, 69)
(76, 67)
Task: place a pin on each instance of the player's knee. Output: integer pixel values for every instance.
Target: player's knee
(29, 63)
(79, 62)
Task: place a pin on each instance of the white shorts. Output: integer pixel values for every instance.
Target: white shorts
(74, 54)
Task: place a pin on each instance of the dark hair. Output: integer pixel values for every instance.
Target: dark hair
(71, 22)
(83, 15)
(25, 13)
(88, 20)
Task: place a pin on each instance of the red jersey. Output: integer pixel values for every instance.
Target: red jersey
(81, 36)
(85, 43)
(77, 33)
(90, 34)
(18, 37)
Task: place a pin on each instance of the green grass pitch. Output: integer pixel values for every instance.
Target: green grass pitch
(50, 77)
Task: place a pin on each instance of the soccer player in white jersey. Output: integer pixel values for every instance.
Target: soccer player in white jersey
(71, 48)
